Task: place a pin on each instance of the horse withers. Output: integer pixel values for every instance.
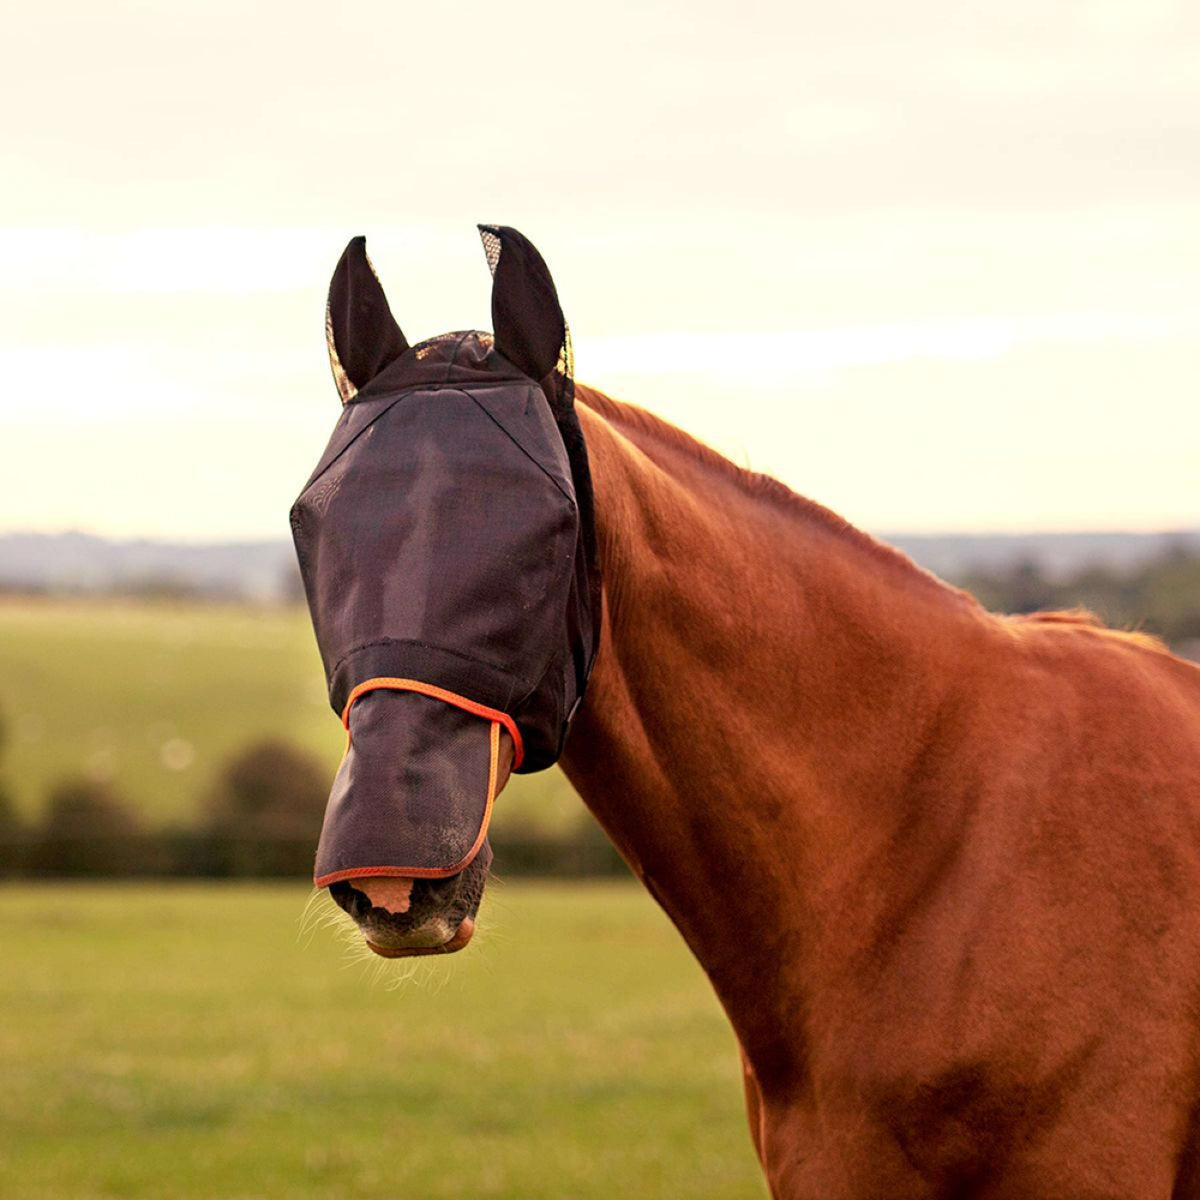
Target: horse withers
(942, 867)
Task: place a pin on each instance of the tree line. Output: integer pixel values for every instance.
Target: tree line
(260, 819)
(262, 816)
(1162, 596)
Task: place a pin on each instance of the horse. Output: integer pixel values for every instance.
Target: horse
(941, 866)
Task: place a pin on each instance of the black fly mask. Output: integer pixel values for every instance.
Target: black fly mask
(448, 552)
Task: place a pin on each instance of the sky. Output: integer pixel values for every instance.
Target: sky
(931, 264)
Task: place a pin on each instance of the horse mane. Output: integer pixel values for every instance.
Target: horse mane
(1065, 616)
(631, 418)
(1083, 618)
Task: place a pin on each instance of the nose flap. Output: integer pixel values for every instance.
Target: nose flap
(413, 796)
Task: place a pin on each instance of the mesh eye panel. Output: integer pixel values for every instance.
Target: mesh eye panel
(439, 546)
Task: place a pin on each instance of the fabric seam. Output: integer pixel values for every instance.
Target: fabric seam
(558, 486)
(467, 658)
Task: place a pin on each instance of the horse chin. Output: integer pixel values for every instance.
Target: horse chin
(401, 916)
(450, 945)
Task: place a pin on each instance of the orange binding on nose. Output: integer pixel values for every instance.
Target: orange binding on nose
(434, 872)
(388, 683)
(497, 720)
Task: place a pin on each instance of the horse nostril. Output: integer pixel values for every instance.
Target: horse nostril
(392, 894)
(350, 899)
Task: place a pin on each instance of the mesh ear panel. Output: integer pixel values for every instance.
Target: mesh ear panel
(562, 393)
(363, 337)
(564, 372)
(491, 247)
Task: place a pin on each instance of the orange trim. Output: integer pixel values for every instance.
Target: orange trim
(434, 872)
(428, 689)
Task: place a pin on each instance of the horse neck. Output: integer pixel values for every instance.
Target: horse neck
(766, 681)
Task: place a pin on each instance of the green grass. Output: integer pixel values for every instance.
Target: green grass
(155, 697)
(188, 1041)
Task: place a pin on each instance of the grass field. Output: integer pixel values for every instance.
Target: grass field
(192, 1041)
(155, 697)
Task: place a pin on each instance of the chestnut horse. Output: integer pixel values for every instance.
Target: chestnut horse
(941, 866)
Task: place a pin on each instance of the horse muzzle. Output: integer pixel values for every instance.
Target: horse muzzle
(404, 846)
(457, 941)
(400, 917)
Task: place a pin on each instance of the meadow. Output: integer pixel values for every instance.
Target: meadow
(235, 1041)
(205, 1041)
(155, 697)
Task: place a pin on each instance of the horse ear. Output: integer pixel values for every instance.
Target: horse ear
(361, 332)
(526, 316)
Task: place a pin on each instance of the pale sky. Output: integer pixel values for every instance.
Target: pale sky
(933, 264)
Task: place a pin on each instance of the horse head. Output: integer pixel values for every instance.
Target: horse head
(448, 554)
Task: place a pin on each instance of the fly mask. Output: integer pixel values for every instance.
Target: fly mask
(449, 559)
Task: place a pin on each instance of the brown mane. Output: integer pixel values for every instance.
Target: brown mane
(632, 418)
(1082, 618)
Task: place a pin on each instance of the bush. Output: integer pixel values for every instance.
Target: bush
(12, 831)
(264, 814)
(13, 835)
(584, 852)
(89, 830)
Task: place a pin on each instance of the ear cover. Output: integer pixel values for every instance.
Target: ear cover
(531, 332)
(361, 332)
(527, 319)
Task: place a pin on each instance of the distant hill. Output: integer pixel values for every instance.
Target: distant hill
(1057, 555)
(262, 571)
(265, 571)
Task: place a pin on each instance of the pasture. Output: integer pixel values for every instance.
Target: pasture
(155, 696)
(196, 1041)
